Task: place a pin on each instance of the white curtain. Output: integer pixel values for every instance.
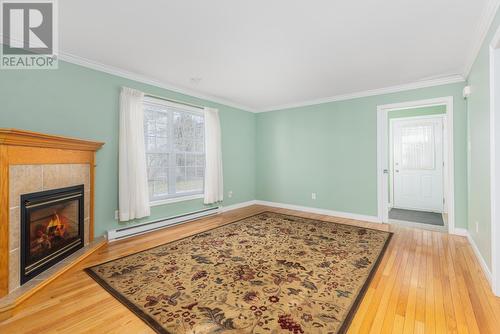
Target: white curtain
(214, 189)
(133, 182)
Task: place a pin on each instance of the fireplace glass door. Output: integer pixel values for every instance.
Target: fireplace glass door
(51, 228)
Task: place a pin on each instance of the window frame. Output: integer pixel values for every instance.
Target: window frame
(172, 164)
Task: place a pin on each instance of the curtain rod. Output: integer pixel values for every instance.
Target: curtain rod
(174, 101)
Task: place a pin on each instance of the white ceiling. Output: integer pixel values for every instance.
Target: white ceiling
(261, 53)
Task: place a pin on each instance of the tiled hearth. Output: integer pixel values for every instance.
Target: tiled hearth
(26, 179)
(26, 290)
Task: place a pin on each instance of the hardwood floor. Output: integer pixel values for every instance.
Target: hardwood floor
(427, 282)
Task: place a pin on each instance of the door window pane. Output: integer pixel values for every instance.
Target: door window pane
(417, 146)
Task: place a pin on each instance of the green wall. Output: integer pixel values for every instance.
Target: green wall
(80, 102)
(331, 149)
(478, 105)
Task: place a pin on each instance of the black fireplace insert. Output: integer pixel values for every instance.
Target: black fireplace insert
(52, 224)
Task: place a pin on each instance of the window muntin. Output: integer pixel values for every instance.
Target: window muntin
(175, 149)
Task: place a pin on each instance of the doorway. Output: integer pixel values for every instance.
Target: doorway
(415, 164)
(416, 177)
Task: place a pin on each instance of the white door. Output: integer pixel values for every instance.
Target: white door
(418, 164)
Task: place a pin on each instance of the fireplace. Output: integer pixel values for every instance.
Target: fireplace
(52, 227)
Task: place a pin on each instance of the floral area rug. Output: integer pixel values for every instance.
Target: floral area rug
(269, 273)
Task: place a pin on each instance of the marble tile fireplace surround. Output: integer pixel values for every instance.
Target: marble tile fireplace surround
(29, 179)
(31, 163)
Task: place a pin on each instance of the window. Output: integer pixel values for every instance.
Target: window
(175, 152)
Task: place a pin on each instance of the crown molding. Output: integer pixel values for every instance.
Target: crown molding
(81, 61)
(380, 91)
(481, 31)
(84, 62)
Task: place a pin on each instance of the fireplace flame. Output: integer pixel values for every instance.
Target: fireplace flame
(56, 225)
(54, 221)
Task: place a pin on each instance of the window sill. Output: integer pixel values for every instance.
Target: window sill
(175, 200)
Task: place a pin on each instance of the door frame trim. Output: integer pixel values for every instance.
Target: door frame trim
(391, 152)
(494, 70)
(383, 154)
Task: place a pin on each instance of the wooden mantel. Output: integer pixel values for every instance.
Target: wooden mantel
(19, 147)
(16, 137)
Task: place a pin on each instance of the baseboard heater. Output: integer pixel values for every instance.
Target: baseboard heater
(131, 231)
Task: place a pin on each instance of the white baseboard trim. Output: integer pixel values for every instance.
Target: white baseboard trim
(480, 258)
(465, 233)
(372, 219)
(237, 206)
(461, 231)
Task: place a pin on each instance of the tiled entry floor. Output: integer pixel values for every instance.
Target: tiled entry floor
(417, 216)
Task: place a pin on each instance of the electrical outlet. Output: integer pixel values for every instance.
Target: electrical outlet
(313, 196)
(230, 194)
(117, 214)
(477, 227)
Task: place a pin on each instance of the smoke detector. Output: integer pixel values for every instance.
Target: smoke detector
(195, 80)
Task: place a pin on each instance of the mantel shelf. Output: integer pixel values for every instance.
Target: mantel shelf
(17, 137)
